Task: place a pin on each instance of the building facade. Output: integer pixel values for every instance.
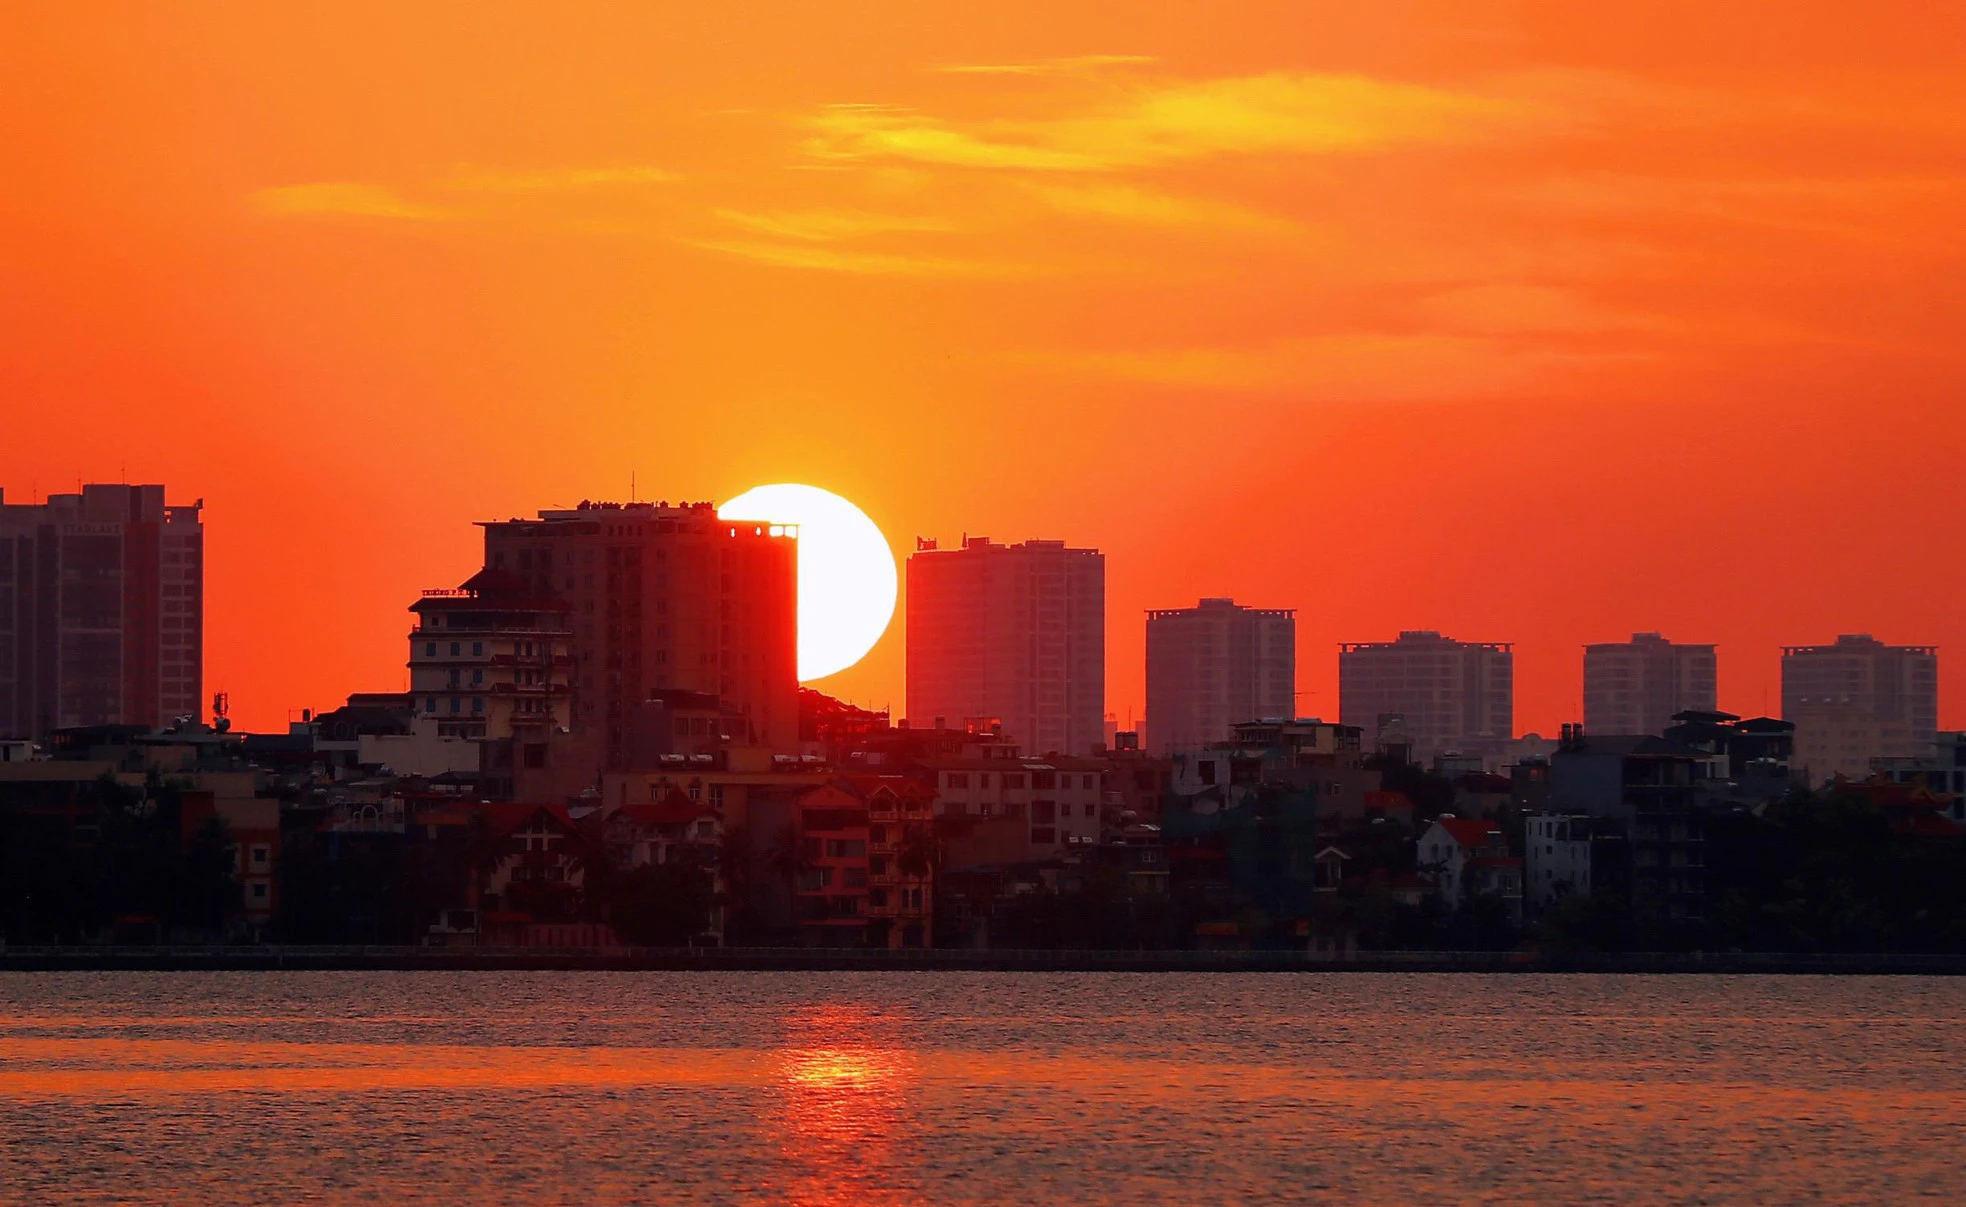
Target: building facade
(1861, 673)
(1011, 632)
(1638, 686)
(662, 597)
(491, 659)
(1452, 695)
(1213, 665)
(101, 610)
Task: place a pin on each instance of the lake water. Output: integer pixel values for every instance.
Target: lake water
(815, 1088)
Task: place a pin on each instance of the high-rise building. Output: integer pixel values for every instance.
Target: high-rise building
(1214, 665)
(663, 598)
(1016, 633)
(1637, 686)
(1452, 695)
(1861, 674)
(102, 610)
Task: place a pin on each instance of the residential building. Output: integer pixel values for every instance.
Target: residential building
(1451, 695)
(1059, 798)
(662, 597)
(1843, 740)
(901, 859)
(830, 881)
(1646, 790)
(1468, 857)
(492, 658)
(1860, 673)
(1012, 632)
(1556, 850)
(101, 610)
(1213, 665)
(1638, 686)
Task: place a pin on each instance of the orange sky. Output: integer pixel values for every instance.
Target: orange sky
(1532, 321)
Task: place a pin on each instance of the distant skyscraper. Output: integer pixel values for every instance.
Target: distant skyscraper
(1213, 665)
(1452, 694)
(661, 597)
(102, 610)
(1635, 687)
(1014, 632)
(1860, 673)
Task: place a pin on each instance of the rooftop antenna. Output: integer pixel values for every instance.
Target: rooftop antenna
(631, 486)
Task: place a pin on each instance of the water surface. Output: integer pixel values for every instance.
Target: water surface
(875, 1088)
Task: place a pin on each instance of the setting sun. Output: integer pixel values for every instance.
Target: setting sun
(847, 580)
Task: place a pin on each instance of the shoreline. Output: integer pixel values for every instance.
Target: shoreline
(778, 959)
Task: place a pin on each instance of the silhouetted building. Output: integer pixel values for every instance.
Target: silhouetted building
(1452, 695)
(1637, 686)
(491, 659)
(1014, 632)
(663, 597)
(1887, 682)
(1213, 665)
(101, 610)
(1651, 832)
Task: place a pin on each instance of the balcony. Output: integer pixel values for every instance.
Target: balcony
(880, 848)
(883, 878)
(883, 813)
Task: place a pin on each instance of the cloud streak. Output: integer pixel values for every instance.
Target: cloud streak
(1172, 122)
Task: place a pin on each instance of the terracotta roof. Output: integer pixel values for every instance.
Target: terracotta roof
(1470, 832)
(1387, 800)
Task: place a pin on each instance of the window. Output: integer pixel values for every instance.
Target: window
(457, 705)
(1013, 781)
(1092, 810)
(477, 648)
(477, 676)
(429, 649)
(956, 779)
(261, 854)
(259, 890)
(430, 704)
(983, 779)
(1043, 780)
(457, 647)
(478, 704)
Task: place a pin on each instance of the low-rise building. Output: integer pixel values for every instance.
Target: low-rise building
(1469, 857)
(1556, 850)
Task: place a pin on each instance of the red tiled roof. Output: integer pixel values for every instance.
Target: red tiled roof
(1387, 800)
(1927, 825)
(1470, 831)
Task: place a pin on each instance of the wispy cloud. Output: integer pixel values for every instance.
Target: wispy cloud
(1169, 122)
(1350, 367)
(826, 226)
(1152, 207)
(1084, 64)
(341, 199)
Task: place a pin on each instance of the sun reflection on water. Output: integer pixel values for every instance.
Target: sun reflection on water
(844, 1079)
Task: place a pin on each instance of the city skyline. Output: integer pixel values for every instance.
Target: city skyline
(1634, 291)
(1916, 697)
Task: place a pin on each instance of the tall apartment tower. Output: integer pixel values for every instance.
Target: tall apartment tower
(1454, 695)
(1214, 665)
(661, 597)
(1635, 687)
(1016, 633)
(102, 610)
(1861, 675)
